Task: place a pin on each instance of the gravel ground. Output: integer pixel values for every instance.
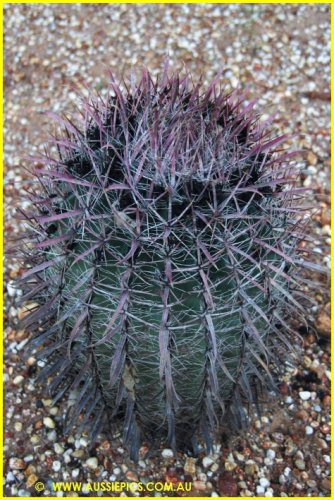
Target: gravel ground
(279, 54)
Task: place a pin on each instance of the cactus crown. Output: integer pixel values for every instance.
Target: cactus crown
(165, 260)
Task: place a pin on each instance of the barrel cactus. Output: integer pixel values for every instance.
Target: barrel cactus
(163, 260)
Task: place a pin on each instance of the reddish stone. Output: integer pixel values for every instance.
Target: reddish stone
(283, 388)
(227, 485)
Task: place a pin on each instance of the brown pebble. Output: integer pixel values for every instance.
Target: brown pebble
(16, 463)
(190, 465)
(142, 451)
(320, 443)
(251, 468)
(326, 401)
(199, 485)
(38, 424)
(227, 485)
(326, 484)
(302, 415)
(312, 158)
(105, 445)
(323, 324)
(131, 475)
(32, 479)
(325, 429)
(283, 388)
(31, 361)
(31, 469)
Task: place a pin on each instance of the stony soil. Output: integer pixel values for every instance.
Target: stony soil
(277, 53)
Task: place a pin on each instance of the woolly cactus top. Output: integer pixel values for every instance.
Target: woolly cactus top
(165, 261)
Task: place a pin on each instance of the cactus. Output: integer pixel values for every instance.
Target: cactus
(164, 260)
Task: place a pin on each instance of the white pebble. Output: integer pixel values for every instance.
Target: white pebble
(92, 463)
(18, 426)
(58, 449)
(49, 423)
(264, 482)
(10, 477)
(282, 479)
(207, 461)
(308, 430)
(260, 490)
(167, 453)
(305, 395)
(83, 441)
(75, 473)
(11, 289)
(52, 436)
(271, 454)
(56, 465)
(300, 464)
(18, 380)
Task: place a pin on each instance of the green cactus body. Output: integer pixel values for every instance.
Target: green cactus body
(165, 263)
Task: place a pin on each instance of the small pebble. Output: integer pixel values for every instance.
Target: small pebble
(207, 462)
(78, 453)
(83, 441)
(214, 467)
(18, 380)
(264, 482)
(91, 463)
(311, 483)
(18, 426)
(16, 463)
(31, 480)
(199, 485)
(229, 466)
(58, 449)
(305, 395)
(190, 465)
(56, 466)
(75, 473)
(52, 436)
(35, 439)
(132, 476)
(300, 464)
(167, 453)
(49, 423)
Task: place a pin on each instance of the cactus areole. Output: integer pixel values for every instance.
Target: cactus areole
(163, 262)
